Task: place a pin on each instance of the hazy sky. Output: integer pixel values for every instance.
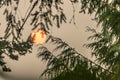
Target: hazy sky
(30, 66)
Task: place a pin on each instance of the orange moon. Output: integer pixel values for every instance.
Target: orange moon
(38, 36)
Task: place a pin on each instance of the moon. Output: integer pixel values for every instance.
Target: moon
(38, 37)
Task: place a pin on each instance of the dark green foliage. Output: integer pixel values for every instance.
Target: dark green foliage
(106, 43)
(12, 40)
(8, 48)
(105, 46)
(44, 17)
(69, 64)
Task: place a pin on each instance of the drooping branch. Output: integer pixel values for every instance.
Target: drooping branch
(52, 62)
(69, 58)
(29, 13)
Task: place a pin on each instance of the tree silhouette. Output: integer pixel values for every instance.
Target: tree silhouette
(69, 64)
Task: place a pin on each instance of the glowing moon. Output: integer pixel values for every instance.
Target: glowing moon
(38, 36)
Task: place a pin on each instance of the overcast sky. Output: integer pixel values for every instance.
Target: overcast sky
(30, 66)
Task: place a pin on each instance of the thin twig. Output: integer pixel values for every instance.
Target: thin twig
(27, 16)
